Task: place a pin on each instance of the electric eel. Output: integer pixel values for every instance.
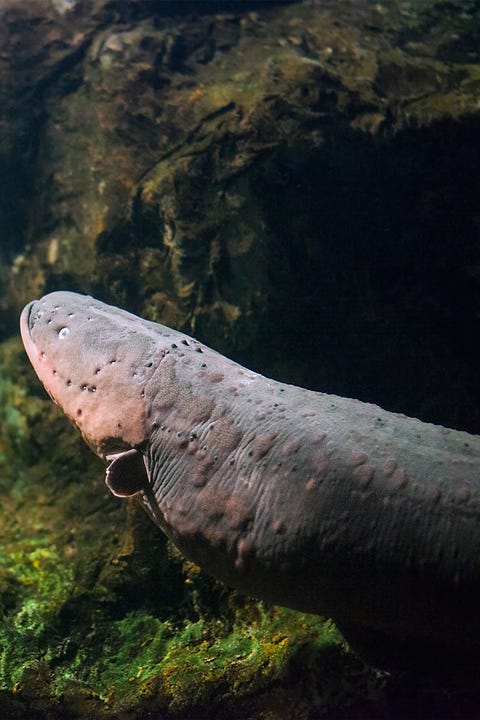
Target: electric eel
(316, 502)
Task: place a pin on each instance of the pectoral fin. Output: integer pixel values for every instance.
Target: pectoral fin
(126, 475)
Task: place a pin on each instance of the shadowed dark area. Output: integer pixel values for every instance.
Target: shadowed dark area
(378, 246)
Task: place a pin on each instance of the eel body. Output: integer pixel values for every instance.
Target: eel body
(316, 502)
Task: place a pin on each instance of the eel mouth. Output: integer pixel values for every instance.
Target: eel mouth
(27, 322)
(27, 318)
(30, 322)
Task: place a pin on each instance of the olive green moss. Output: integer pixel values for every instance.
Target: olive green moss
(102, 618)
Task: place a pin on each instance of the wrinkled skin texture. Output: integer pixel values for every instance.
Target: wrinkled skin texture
(316, 502)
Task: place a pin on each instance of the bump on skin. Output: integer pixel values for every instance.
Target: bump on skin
(264, 442)
(363, 474)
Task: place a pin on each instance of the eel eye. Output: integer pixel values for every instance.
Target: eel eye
(63, 333)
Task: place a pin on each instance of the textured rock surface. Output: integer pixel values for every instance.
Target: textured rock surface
(266, 177)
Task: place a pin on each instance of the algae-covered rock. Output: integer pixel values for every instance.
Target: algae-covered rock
(295, 183)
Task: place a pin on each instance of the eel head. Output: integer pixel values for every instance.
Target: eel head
(94, 364)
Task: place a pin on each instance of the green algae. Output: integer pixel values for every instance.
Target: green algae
(200, 663)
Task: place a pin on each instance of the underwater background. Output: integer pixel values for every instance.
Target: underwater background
(297, 185)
